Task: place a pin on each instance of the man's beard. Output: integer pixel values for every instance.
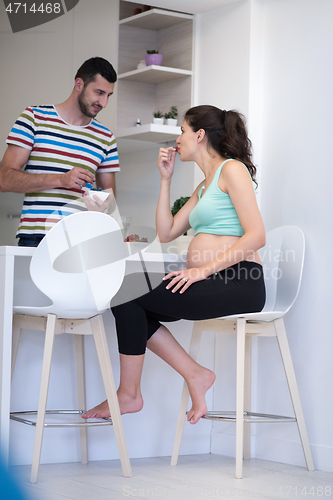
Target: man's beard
(84, 107)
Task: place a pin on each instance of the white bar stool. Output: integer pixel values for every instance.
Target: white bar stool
(282, 281)
(78, 266)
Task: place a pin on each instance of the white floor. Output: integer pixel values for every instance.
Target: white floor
(195, 477)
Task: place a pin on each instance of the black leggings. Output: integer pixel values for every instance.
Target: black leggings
(237, 289)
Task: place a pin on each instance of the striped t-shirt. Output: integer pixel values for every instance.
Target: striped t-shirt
(57, 147)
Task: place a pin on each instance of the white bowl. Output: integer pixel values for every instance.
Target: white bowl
(102, 195)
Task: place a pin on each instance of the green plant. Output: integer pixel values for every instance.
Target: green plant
(158, 114)
(154, 51)
(173, 113)
(178, 204)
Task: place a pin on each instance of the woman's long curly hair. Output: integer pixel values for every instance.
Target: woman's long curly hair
(225, 131)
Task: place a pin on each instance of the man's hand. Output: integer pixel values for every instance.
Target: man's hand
(76, 176)
(95, 204)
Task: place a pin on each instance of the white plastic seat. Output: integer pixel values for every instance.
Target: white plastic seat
(282, 258)
(78, 266)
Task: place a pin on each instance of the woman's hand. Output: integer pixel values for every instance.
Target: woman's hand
(183, 279)
(166, 162)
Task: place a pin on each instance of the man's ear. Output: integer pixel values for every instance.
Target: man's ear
(200, 134)
(79, 84)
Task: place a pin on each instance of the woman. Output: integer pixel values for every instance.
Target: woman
(223, 275)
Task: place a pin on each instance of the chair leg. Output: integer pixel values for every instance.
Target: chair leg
(193, 352)
(247, 396)
(44, 386)
(240, 396)
(291, 379)
(17, 331)
(110, 389)
(81, 387)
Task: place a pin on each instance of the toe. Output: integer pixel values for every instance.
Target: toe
(190, 414)
(195, 419)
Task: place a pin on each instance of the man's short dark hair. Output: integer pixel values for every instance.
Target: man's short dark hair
(96, 66)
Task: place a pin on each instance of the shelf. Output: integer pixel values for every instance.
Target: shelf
(154, 74)
(149, 132)
(155, 19)
(143, 91)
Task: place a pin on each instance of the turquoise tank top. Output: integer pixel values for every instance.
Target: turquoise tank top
(214, 213)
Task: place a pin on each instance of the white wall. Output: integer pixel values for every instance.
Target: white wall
(222, 60)
(293, 127)
(296, 189)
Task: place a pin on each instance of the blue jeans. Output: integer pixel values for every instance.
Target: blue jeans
(29, 241)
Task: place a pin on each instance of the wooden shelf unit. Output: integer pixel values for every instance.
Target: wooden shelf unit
(141, 92)
(156, 19)
(154, 74)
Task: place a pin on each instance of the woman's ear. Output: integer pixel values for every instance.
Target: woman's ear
(200, 134)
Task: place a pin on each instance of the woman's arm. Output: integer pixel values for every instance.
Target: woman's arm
(169, 227)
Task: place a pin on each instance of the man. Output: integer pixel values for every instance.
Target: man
(62, 147)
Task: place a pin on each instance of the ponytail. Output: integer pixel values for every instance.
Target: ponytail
(225, 131)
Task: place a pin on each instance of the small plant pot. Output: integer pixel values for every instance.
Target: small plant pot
(158, 121)
(171, 121)
(156, 59)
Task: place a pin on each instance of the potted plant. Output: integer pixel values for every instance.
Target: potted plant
(182, 242)
(171, 116)
(158, 118)
(154, 57)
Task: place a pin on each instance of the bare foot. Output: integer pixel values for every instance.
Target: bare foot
(99, 411)
(127, 404)
(198, 386)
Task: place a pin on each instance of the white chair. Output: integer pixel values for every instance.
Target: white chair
(282, 259)
(78, 266)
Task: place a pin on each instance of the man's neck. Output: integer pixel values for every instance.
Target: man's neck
(71, 113)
